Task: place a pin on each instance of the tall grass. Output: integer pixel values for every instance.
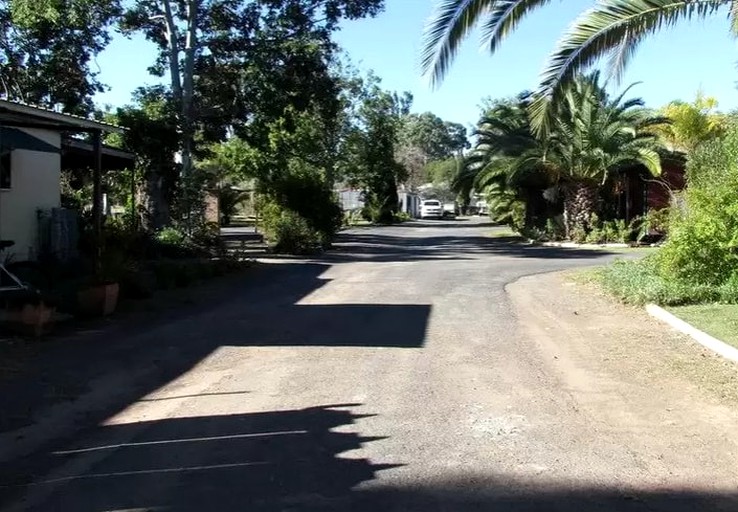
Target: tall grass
(639, 282)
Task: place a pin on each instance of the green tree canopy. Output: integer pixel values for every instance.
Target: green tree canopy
(48, 48)
(372, 146)
(240, 64)
(152, 135)
(691, 124)
(436, 138)
(426, 138)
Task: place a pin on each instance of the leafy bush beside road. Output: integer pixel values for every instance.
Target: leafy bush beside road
(703, 240)
(288, 232)
(639, 282)
(699, 261)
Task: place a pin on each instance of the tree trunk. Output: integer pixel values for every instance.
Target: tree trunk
(172, 36)
(188, 94)
(182, 81)
(155, 203)
(580, 203)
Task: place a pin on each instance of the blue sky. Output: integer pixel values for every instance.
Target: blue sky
(672, 65)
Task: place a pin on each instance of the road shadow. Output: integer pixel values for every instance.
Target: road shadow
(380, 247)
(121, 363)
(276, 460)
(501, 493)
(350, 325)
(295, 461)
(447, 223)
(260, 309)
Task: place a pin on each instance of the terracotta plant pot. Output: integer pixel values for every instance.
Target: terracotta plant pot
(31, 319)
(98, 300)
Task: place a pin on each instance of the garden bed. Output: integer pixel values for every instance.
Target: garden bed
(140, 280)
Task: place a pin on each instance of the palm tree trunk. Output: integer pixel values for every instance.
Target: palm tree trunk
(580, 203)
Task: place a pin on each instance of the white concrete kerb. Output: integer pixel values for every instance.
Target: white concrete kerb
(704, 339)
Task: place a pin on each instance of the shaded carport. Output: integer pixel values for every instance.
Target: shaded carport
(76, 153)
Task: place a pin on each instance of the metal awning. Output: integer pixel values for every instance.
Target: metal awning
(78, 154)
(13, 138)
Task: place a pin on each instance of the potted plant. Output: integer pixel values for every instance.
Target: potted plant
(29, 312)
(99, 296)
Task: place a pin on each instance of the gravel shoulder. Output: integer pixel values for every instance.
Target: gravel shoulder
(670, 402)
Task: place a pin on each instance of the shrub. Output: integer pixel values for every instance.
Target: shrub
(699, 260)
(378, 211)
(655, 222)
(517, 215)
(206, 238)
(137, 283)
(403, 217)
(533, 233)
(609, 231)
(305, 193)
(171, 236)
(703, 240)
(555, 228)
(287, 232)
(352, 217)
(578, 234)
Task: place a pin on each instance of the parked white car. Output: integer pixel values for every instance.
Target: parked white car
(431, 209)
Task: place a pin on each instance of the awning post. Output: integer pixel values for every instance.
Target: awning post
(97, 203)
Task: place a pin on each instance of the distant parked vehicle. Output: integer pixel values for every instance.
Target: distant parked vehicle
(449, 210)
(431, 209)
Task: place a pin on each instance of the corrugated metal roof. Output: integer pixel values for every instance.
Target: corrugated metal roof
(47, 114)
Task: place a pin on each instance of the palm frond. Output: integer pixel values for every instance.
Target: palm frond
(650, 159)
(603, 29)
(651, 121)
(446, 29)
(504, 18)
(620, 97)
(734, 17)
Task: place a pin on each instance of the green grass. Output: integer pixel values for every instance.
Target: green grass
(639, 282)
(644, 250)
(718, 320)
(504, 233)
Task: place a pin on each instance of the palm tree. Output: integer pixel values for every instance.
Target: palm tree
(506, 164)
(502, 131)
(611, 27)
(592, 136)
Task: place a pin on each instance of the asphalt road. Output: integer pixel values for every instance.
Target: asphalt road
(393, 374)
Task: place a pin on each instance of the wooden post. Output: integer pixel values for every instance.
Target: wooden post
(628, 202)
(134, 217)
(97, 203)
